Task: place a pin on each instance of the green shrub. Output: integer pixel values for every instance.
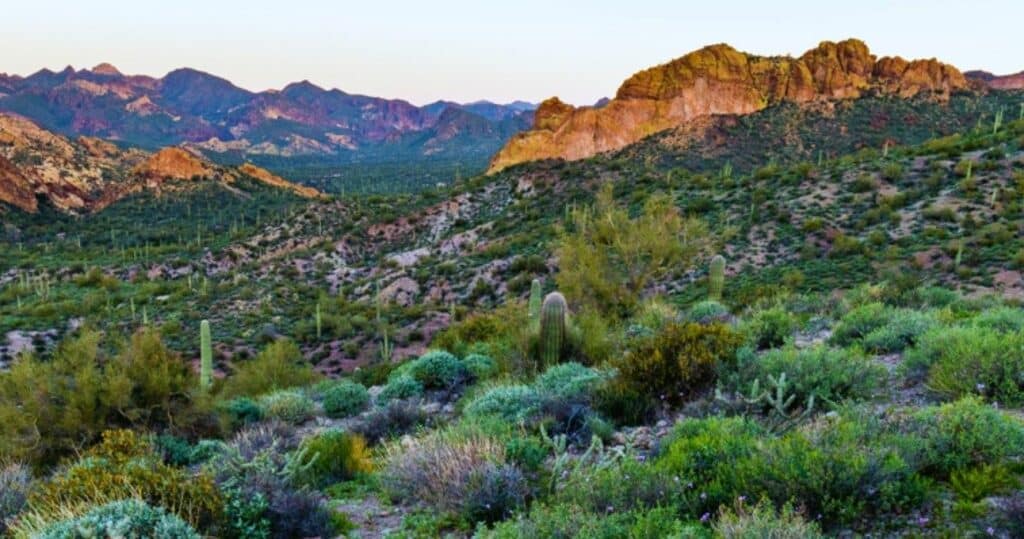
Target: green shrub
(402, 386)
(515, 403)
(970, 360)
(333, 456)
(569, 381)
(49, 409)
(124, 466)
(1002, 319)
(704, 312)
(290, 406)
(678, 361)
(245, 516)
(242, 411)
(901, 331)
(625, 485)
(859, 322)
(770, 328)
(570, 522)
(762, 521)
(829, 374)
(279, 366)
(344, 399)
(480, 366)
(436, 369)
(963, 434)
(128, 518)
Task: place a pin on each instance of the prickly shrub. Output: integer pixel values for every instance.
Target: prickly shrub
(480, 366)
(15, 484)
(437, 369)
(333, 456)
(515, 403)
(707, 312)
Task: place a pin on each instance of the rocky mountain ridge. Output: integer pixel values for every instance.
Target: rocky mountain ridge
(719, 79)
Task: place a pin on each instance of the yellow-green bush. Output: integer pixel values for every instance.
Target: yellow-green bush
(279, 366)
(679, 360)
(124, 466)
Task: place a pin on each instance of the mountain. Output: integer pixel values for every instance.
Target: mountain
(721, 80)
(998, 82)
(226, 122)
(88, 174)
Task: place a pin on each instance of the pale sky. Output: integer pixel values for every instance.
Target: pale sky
(466, 50)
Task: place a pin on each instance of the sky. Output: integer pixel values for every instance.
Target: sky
(464, 50)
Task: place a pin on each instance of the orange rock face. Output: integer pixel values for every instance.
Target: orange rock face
(15, 189)
(173, 164)
(273, 180)
(719, 80)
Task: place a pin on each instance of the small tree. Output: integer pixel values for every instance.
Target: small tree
(607, 259)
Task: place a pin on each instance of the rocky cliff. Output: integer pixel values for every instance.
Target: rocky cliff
(720, 80)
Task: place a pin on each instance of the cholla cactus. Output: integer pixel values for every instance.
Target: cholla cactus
(716, 278)
(205, 355)
(553, 325)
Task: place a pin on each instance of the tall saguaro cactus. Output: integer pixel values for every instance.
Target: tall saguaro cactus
(319, 323)
(553, 313)
(205, 355)
(716, 278)
(536, 299)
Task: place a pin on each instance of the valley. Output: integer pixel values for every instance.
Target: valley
(765, 296)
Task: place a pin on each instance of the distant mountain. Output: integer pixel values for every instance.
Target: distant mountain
(212, 115)
(719, 79)
(998, 82)
(89, 174)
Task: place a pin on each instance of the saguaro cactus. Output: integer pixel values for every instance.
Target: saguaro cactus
(319, 323)
(716, 278)
(205, 355)
(536, 299)
(553, 324)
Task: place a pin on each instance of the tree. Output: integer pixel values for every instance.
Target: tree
(607, 259)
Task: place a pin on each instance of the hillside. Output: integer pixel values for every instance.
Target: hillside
(718, 79)
(89, 174)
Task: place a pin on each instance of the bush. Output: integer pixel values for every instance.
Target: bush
(480, 366)
(963, 434)
(568, 521)
(344, 399)
(15, 485)
(678, 361)
(454, 471)
(290, 406)
(762, 521)
(49, 409)
(393, 419)
(245, 516)
(437, 370)
(569, 381)
(770, 328)
(333, 456)
(242, 411)
(705, 312)
(125, 466)
(515, 403)
(624, 485)
(402, 386)
(860, 321)
(831, 375)
(279, 366)
(128, 518)
(970, 360)
(261, 462)
(1002, 319)
(901, 331)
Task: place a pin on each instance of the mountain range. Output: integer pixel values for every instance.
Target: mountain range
(221, 120)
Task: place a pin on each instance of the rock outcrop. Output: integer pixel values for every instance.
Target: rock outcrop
(998, 82)
(720, 80)
(268, 178)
